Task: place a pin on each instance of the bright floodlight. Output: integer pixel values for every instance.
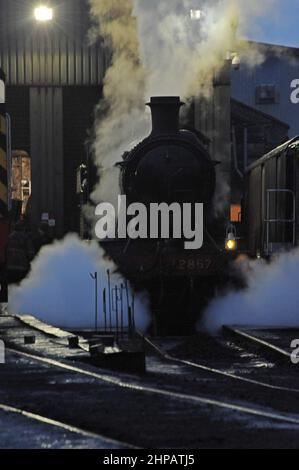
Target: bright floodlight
(43, 13)
(196, 14)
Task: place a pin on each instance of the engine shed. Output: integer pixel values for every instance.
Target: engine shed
(54, 80)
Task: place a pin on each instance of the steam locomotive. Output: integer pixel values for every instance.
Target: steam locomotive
(173, 165)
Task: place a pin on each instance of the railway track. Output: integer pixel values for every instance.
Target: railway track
(150, 411)
(150, 390)
(93, 439)
(196, 365)
(275, 343)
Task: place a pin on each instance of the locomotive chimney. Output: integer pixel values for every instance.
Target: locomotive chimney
(165, 114)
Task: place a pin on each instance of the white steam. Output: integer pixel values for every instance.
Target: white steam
(156, 49)
(181, 56)
(120, 115)
(60, 291)
(271, 298)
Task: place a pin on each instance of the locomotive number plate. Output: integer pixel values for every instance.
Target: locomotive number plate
(181, 265)
(197, 264)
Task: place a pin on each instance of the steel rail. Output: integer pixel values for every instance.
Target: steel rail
(196, 399)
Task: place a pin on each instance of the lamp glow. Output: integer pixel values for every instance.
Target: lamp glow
(196, 14)
(43, 13)
(231, 238)
(231, 245)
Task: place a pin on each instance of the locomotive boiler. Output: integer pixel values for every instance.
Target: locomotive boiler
(173, 165)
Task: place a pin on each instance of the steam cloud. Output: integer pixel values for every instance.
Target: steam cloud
(60, 291)
(120, 115)
(182, 56)
(271, 297)
(156, 49)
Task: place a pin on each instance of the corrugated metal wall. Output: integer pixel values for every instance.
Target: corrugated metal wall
(18, 107)
(53, 54)
(275, 70)
(78, 112)
(46, 126)
(212, 117)
(54, 78)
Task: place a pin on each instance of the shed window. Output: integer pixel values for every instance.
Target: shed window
(267, 94)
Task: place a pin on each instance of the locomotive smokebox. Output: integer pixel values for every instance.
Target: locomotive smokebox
(172, 165)
(165, 114)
